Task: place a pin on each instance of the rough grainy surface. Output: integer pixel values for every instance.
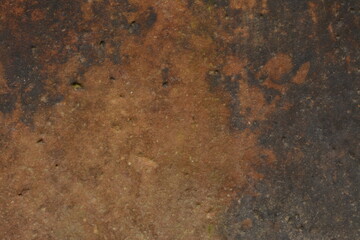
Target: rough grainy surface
(165, 120)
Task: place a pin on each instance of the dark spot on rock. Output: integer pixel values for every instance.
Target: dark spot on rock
(232, 86)
(102, 44)
(134, 28)
(7, 103)
(165, 84)
(23, 191)
(95, 172)
(214, 79)
(76, 85)
(143, 23)
(33, 49)
(151, 17)
(190, 3)
(165, 77)
(255, 124)
(54, 99)
(270, 94)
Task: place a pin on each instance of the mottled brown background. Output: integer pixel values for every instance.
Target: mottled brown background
(179, 119)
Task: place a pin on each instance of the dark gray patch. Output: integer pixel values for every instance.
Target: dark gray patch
(150, 17)
(25, 45)
(231, 85)
(165, 77)
(214, 79)
(190, 3)
(30, 46)
(134, 28)
(311, 192)
(7, 103)
(143, 23)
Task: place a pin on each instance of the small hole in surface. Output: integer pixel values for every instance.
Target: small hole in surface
(40, 140)
(102, 43)
(134, 27)
(23, 191)
(165, 84)
(76, 85)
(33, 49)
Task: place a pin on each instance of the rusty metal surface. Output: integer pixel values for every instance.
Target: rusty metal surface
(197, 119)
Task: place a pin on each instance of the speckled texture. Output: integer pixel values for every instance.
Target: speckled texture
(197, 119)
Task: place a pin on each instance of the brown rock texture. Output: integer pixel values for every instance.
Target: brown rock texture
(181, 119)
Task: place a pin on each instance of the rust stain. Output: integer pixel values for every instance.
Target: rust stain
(247, 223)
(264, 6)
(37, 15)
(134, 137)
(301, 74)
(312, 11)
(277, 67)
(148, 119)
(243, 4)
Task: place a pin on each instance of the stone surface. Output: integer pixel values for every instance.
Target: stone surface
(197, 119)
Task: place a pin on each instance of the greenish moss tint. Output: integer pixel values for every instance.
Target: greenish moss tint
(210, 229)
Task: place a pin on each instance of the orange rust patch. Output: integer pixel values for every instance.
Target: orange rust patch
(256, 176)
(234, 66)
(312, 10)
(301, 74)
(246, 224)
(124, 150)
(37, 15)
(243, 4)
(196, 158)
(277, 67)
(86, 9)
(264, 6)
(18, 11)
